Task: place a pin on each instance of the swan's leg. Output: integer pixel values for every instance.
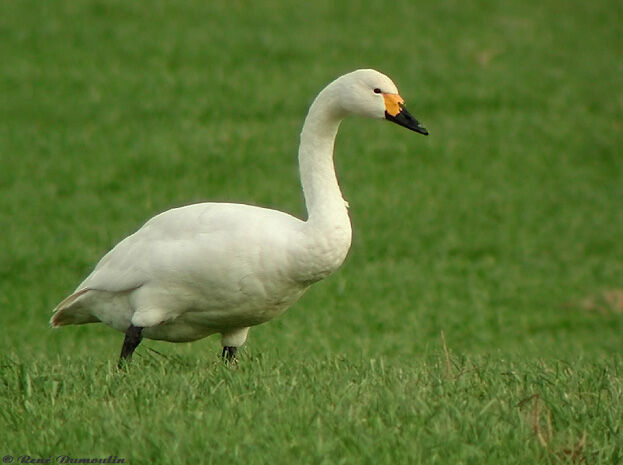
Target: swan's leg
(229, 353)
(231, 340)
(133, 337)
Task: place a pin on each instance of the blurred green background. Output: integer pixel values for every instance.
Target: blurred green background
(502, 228)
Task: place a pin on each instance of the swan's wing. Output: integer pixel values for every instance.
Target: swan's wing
(212, 257)
(207, 240)
(123, 268)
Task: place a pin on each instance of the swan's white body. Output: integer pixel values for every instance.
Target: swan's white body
(220, 268)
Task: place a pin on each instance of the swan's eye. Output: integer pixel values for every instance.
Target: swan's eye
(377, 91)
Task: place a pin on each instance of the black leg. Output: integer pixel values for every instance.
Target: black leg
(133, 337)
(229, 353)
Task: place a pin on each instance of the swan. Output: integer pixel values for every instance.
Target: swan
(221, 268)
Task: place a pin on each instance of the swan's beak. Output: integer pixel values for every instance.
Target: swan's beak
(396, 112)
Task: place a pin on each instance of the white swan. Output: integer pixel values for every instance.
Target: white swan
(219, 267)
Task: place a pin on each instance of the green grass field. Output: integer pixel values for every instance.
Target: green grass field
(479, 316)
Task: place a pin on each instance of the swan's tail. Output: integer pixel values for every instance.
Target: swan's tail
(71, 312)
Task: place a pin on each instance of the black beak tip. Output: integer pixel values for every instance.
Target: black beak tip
(405, 119)
(422, 130)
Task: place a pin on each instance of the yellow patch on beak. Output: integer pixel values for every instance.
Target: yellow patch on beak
(393, 103)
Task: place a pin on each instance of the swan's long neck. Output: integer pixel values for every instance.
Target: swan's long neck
(328, 226)
(323, 198)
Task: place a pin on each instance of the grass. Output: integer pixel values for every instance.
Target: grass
(327, 409)
(501, 230)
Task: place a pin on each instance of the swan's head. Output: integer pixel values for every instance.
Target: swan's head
(367, 92)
